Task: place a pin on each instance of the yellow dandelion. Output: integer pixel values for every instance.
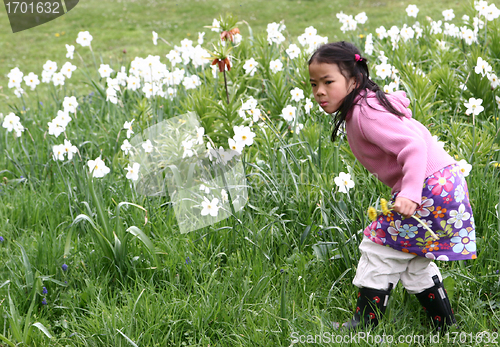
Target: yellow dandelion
(57, 35)
(372, 213)
(385, 209)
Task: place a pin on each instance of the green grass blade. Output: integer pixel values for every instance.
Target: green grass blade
(127, 338)
(43, 329)
(7, 341)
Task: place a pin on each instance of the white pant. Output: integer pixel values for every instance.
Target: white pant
(380, 265)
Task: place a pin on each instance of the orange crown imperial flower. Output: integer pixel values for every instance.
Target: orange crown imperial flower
(228, 35)
(222, 63)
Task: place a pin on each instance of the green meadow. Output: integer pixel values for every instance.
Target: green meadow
(91, 261)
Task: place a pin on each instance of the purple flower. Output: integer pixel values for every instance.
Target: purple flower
(498, 271)
(44, 290)
(282, 270)
(1, 239)
(188, 261)
(44, 302)
(64, 267)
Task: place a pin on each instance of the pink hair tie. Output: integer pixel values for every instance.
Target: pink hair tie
(358, 57)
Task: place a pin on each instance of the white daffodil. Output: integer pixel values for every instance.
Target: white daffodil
(297, 94)
(70, 51)
(105, 70)
(250, 66)
(390, 88)
(19, 92)
(464, 167)
(70, 104)
(133, 83)
(298, 128)
(84, 38)
(67, 69)
(383, 70)
(448, 14)
(412, 11)
(308, 106)
(10, 121)
(58, 152)
(133, 171)
(361, 18)
(128, 127)
(155, 38)
(293, 51)
(148, 146)
(344, 182)
(276, 66)
(236, 145)
(216, 25)
(56, 127)
(274, 34)
(171, 93)
(15, 77)
(255, 113)
(31, 80)
(482, 67)
(495, 82)
(98, 168)
(244, 135)
(468, 35)
(224, 196)
(50, 66)
(69, 149)
(126, 146)
(187, 145)
(289, 113)
(474, 106)
(210, 207)
(111, 95)
(200, 37)
(191, 82)
(200, 132)
(492, 12)
(381, 32)
(58, 79)
(46, 76)
(204, 188)
(221, 155)
(63, 118)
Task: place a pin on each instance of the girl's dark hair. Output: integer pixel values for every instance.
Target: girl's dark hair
(344, 55)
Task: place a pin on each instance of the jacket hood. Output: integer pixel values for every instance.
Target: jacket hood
(397, 99)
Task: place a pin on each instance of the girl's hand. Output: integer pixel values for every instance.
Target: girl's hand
(404, 206)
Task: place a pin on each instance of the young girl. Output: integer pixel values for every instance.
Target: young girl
(425, 180)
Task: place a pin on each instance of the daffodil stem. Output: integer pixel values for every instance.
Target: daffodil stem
(433, 234)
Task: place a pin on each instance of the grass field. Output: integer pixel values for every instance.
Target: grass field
(127, 25)
(89, 261)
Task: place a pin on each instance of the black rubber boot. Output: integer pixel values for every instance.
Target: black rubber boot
(370, 307)
(437, 305)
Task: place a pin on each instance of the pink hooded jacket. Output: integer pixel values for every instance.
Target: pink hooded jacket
(400, 151)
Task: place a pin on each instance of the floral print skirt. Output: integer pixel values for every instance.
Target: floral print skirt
(445, 208)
